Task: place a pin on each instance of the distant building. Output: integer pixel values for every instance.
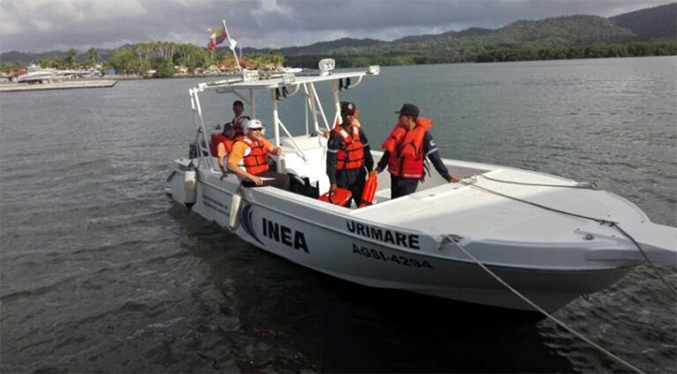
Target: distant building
(110, 72)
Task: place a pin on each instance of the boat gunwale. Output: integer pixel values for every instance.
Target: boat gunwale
(281, 194)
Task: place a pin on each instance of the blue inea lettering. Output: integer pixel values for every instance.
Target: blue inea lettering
(405, 240)
(285, 235)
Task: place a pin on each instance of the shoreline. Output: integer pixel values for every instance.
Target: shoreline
(64, 85)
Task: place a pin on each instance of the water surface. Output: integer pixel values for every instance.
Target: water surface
(101, 271)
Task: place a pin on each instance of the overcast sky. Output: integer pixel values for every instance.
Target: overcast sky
(44, 25)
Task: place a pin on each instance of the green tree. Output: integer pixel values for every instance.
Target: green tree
(92, 57)
(55, 63)
(122, 60)
(71, 59)
(164, 68)
(11, 67)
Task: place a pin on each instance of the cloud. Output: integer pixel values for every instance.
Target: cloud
(41, 25)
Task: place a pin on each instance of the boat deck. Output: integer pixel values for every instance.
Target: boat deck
(461, 209)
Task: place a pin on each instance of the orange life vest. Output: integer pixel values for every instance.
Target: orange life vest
(255, 161)
(406, 149)
(369, 191)
(216, 140)
(341, 197)
(351, 153)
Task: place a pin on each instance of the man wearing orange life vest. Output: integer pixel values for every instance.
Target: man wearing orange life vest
(348, 154)
(405, 150)
(356, 122)
(221, 145)
(248, 159)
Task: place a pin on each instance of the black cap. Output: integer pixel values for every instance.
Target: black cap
(409, 110)
(228, 126)
(347, 108)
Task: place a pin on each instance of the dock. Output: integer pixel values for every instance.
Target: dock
(62, 85)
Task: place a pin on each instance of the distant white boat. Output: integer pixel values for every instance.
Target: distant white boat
(290, 70)
(36, 74)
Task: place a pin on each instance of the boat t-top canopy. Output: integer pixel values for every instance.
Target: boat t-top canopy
(282, 86)
(281, 80)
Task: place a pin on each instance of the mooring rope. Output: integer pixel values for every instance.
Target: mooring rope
(583, 185)
(548, 315)
(668, 285)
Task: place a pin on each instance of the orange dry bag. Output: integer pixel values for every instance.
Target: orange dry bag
(340, 197)
(369, 190)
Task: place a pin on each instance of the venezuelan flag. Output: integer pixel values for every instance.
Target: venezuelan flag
(217, 37)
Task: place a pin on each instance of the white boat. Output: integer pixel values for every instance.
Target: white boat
(549, 237)
(36, 74)
(290, 70)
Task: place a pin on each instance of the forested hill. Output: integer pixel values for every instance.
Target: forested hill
(462, 45)
(560, 37)
(576, 36)
(652, 23)
(27, 57)
(329, 46)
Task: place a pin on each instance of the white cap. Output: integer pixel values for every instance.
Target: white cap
(253, 124)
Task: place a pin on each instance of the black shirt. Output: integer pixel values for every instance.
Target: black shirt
(335, 143)
(430, 151)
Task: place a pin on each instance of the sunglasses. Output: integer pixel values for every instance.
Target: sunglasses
(259, 129)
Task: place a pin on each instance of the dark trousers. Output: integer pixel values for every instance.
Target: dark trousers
(352, 180)
(278, 180)
(402, 186)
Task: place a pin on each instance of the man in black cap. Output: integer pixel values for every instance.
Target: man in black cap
(224, 144)
(406, 148)
(348, 154)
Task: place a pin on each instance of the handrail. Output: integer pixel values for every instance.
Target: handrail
(290, 137)
(195, 102)
(319, 105)
(310, 104)
(337, 105)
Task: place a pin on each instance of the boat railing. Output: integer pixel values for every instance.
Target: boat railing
(280, 88)
(316, 106)
(201, 139)
(291, 139)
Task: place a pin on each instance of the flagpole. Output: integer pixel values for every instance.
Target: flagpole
(231, 47)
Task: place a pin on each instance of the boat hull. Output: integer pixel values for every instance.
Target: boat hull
(363, 262)
(333, 245)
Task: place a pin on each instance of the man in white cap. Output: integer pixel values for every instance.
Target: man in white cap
(248, 159)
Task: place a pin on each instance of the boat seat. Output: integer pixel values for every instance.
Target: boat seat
(313, 167)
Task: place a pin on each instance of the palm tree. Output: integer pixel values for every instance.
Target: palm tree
(92, 57)
(71, 58)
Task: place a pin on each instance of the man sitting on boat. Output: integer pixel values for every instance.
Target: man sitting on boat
(248, 159)
(348, 153)
(405, 150)
(240, 120)
(221, 145)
